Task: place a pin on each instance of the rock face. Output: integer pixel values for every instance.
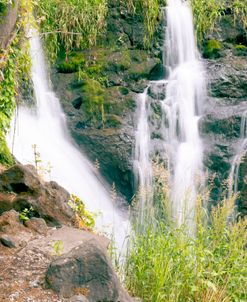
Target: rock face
(23, 189)
(225, 108)
(86, 267)
(100, 107)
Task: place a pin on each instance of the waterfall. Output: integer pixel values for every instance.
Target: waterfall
(45, 126)
(182, 107)
(240, 152)
(142, 164)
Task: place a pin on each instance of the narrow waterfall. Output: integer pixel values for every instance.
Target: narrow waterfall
(240, 152)
(142, 163)
(45, 126)
(182, 107)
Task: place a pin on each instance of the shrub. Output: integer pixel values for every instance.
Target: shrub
(240, 50)
(168, 264)
(212, 49)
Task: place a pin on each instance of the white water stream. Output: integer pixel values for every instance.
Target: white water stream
(182, 108)
(240, 152)
(45, 126)
(142, 163)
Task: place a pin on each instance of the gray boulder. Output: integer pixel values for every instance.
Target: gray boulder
(85, 268)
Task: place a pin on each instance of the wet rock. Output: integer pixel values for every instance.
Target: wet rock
(123, 71)
(37, 224)
(87, 268)
(220, 125)
(46, 199)
(157, 90)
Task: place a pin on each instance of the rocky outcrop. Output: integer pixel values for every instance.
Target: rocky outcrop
(100, 106)
(43, 263)
(225, 108)
(22, 189)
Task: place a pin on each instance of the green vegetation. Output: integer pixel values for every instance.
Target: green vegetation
(58, 247)
(167, 264)
(84, 219)
(170, 263)
(240, 50)
(207, 14)
(26, 214)
(14, 70)
(71, 24)
(3, 5)
(149, 12)
(212, 49)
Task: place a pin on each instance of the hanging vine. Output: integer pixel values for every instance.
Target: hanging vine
(14, 69)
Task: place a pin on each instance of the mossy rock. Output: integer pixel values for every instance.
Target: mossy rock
(212, 49)
(71, 64)
(240, 50)
(112, 121)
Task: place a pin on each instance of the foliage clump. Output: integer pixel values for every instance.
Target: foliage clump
(71, 24)
(14, 69)
(212, 49)
(207, 14)
(168, 264)
(200, 262)
(240, 50)
(84, 219)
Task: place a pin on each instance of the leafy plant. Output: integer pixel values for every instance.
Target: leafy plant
(25, 214)
(84, 219)
(58, 247)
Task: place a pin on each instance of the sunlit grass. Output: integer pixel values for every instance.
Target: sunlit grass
(167, 263)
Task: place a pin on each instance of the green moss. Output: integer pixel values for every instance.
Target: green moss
(112, 121)
(212, 49)
(240, 50)
(71, 64)
(123, 90)
(93, 95)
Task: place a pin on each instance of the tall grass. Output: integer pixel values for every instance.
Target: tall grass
(207, 14)
(71, 24)
(167, 264)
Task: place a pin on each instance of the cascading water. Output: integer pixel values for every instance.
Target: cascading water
(182, 108)
(45, 126)
(142, 164)
(241, 150)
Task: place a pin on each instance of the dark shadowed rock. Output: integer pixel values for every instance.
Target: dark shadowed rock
(7, 241)
(47, 199)
(87, 268)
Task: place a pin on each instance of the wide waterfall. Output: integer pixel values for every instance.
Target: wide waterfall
(182, 108)
(44, 126)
